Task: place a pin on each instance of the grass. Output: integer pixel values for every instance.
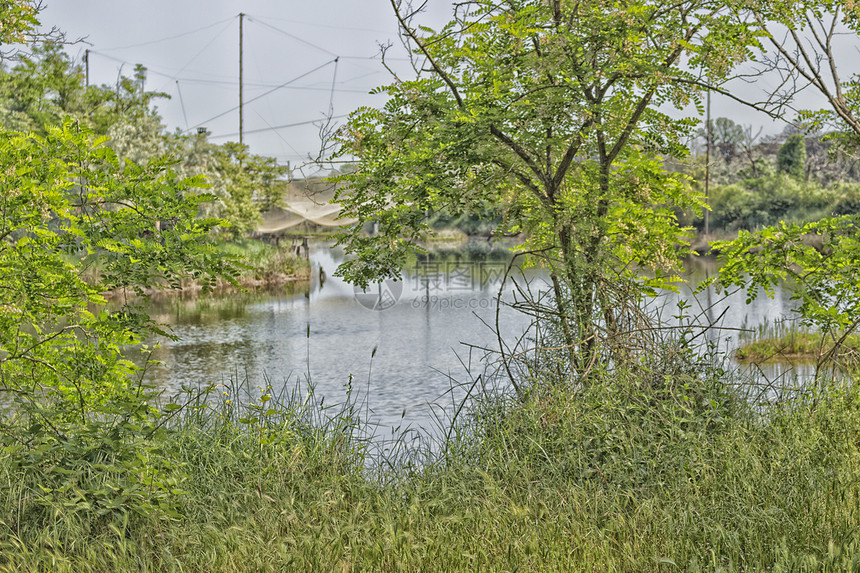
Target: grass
(666, 468)
(266, 265)
(781, 342)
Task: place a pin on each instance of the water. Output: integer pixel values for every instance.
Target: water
(403, 360)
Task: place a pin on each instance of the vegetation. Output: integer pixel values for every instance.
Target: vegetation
(791, 158)
(797, 344)
(48, 88)
(826, 289)
(646, 472)
(622, 448)
(552, 111)
(265, 264)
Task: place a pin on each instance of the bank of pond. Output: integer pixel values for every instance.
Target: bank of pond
(668, 465)
(327, 428)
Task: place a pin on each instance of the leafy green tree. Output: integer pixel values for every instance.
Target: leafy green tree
(18, 18)
(729, 136)
(242, 184)
(77, 222)
(551, 111)
(47, 87)
(726, 137)
(40, 88)
(821, 256)
(791, 158)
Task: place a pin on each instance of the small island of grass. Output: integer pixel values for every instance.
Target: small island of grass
(796, 344)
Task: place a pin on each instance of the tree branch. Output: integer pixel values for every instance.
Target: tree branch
(436, 67)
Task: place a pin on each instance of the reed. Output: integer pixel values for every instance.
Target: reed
(648, 471)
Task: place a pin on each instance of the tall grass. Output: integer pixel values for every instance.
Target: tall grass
(264, 263)
(665, 467)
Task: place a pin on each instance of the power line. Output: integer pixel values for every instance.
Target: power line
(290, 145)
(234, 108)
(172, 76)
(326, 25)
(232, 82)
(182, 102)
(293, 36)
(276, 127)
(183, 34)
(204, 48)
(329, 52)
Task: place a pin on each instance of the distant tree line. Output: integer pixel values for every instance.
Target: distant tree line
(756, 181)
(47, 87)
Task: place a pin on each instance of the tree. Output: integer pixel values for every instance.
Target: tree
(76, 222)
(552, 111)
(726, 137)
(804, 40)
(791, 158)
(18, 19)
(749, 147)
(46, 87)
(242, 184)
(803, 37)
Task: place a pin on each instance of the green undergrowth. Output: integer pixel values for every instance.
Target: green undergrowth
(796, 344)
(265, 263)
(658, 469)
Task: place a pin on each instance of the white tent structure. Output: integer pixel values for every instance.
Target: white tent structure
(306, 200)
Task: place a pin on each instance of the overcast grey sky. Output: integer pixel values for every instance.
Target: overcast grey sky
(191, 50)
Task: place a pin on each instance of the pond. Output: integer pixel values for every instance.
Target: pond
(401, 347)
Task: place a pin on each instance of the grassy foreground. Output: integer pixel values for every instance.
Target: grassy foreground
(658, 470)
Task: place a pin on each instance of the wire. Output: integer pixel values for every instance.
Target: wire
(331, 95)
(276, 133)
(294, 37)
(276, 127)
(305, 88)
(232, 82)
(325, 26)
(168, 37)
(204, 48)
(376, 56)
(182, 103)
(234, 108)
(172, 75)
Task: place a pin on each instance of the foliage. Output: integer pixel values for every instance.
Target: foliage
(550, 112)
(759, 202)
(634, 475)
(802, 36)
(68, 203)
(819, 258)
(797, 344)
(242, 184)
(791, 158)
(17, 20)
(726, 137)
(47, 87)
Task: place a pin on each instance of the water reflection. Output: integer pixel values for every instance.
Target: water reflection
(402, 359)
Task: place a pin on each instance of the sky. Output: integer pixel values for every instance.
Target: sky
(291, 78)
(303, 61)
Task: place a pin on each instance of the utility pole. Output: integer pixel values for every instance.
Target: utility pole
(87, 65)
(241, 122)
(708, 169)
